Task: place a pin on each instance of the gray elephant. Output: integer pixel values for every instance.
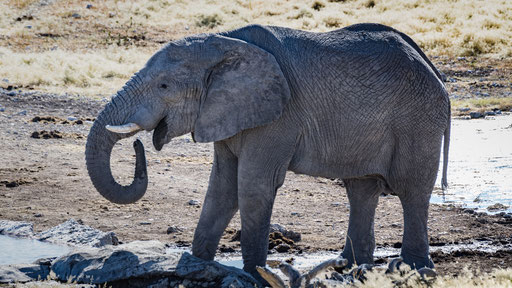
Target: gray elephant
(362, 103)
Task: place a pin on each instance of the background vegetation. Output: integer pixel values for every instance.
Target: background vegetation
(92, 47)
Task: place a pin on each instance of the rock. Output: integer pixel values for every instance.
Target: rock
(21, 273)
(282, 248)
(475, 115)
(507, 216)
(469, 211)
(2, 109)
(73, 233)
(89, 6)
(174, 229)
(464, 109)
(71, 118)
(497, 207)
(145, 262)
(193, 202)
(76, 16)
(295, 236)
(16, 228)
(12, 93)
(490, 113)
(22, 113)
(111, 14)
(11, 274)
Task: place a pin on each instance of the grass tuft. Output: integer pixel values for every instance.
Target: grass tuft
(209, 21)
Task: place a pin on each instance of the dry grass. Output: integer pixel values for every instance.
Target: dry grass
(483, 104)
(95, 73)
(495, 279)
(110, 28)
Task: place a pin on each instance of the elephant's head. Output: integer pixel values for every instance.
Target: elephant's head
(211, 85)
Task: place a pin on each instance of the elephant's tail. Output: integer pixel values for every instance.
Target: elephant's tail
(446, 147)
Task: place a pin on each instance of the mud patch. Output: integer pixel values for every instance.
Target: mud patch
(455, 261)
(47, 134)
(47, 119)
(57, 120)
(14, 183)
(55, 134)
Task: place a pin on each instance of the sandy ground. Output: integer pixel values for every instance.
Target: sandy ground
(45, 181)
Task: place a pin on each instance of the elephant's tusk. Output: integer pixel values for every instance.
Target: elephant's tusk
(126, 128)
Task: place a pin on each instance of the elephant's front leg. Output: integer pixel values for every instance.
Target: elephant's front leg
(220, 204)
(258, 180)
(363, 195)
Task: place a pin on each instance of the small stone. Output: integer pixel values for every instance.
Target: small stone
(497, 207)
(76, 16)
(490, 113)
(2, 109)
(12, 93)
(174, 229)
(283, 248)
(111, 14)
(476, 115)
(335, 204)
(507, 216)
(22, 113)
(464, 109)
(71, 118)
(28, 26)
(37, 215)
(193, 202)
(89, 6)
(145, 223)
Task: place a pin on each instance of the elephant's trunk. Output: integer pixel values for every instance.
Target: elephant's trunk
(97, 155)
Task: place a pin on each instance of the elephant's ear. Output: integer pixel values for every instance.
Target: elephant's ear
(245, 89)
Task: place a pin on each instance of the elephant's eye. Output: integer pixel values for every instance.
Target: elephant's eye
(163, 86)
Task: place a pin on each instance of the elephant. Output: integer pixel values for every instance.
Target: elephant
(362, 103)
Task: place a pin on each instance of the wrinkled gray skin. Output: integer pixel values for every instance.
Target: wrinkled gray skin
(362, 103)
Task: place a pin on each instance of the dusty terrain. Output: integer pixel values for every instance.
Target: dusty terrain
(43, 180)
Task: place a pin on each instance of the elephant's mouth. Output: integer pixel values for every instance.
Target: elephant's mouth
(160, 134)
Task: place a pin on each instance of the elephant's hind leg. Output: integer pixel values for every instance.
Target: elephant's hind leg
(363, 195)
(415, 248)
(220, 204)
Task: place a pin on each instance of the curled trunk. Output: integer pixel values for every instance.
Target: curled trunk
(97, 155)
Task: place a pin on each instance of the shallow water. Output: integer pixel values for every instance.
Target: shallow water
(480, 164)
(20, 250)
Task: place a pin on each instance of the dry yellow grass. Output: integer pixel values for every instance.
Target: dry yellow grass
(29, 30)
(495, 279)
(95, 73)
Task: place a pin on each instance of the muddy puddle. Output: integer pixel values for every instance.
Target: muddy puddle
(20, 251)
(480, 165)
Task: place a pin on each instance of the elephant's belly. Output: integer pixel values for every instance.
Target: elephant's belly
(343, 161)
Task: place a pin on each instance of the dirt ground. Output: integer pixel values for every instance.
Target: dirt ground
(43, 180)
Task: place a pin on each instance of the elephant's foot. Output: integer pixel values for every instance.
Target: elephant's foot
(294, 276)
(426, 273)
